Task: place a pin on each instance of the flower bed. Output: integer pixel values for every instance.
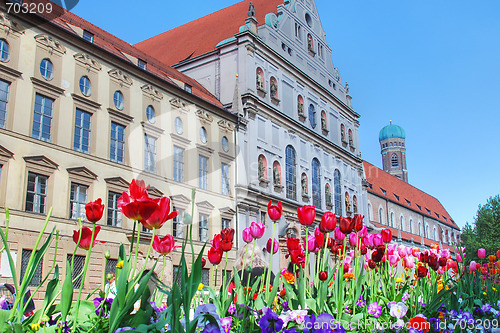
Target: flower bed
(340, 278)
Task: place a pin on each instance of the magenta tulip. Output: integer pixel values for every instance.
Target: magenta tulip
(247, 235)
(339, 235)
(377, 240)
(481, 253)
(272, 246)
(352, 239)
(257, 230)
(472, 266)
(369, 241)
(363, 232)
(306, 214)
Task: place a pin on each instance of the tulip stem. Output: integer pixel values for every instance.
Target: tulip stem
(136, 249)
(224, 292)
(148, 253)
(243, 264)
(270, 269)
(85, 267)
(306, 269)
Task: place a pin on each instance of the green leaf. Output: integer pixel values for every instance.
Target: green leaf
(67, 292)
(311, 304)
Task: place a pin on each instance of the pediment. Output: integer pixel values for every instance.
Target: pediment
(117, 181)
(4, 152)
(205, 206)
(154, 192)
(225, 125)
(41, 161)
(178, 103)
(121, 77)
(180, 200)
(51, 44)
(7, 24)
(82, 172)
(204, 116)
(227, 211)
(152, 92)
(87, 61)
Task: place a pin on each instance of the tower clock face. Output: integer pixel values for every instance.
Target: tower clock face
(178, 126)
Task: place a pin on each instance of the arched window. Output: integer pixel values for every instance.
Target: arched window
(351, 139)
(260, 78)
(420, 228)
(411, 225)
(312, 115)
(435, 234)
(426, 231)
(392, 220)
(316, 183)
(347, 200)
(370, 213)
(394, 161)
(291, 173)
(381, 215)
(354, 204)
(337, 195)
(262, 167)
(402, 224)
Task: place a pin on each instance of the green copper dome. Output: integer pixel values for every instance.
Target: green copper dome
(391, 131)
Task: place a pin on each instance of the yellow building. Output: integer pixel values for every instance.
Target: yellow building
(82, 113)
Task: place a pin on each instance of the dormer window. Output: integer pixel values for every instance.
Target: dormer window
(142, 64)
(188, 88)
(88, 36)
(298, 31)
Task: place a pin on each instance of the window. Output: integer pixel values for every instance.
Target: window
(149, 153)
(203, 135)
(402, 223)
(263, 217)
(81, 138)
(205, 276)
(225, 144)
(188, 88)
(381, 215)
(150, 114)
(47, 69)
(85, 86)
(4, 51)
(419, 228)
(203, 172)
(77, 268)
(394, 161)
(337, 195)
(117, 143)
(312, 115)
(111, 266)
(36, 195)
(118, 100)
(435, 234)
(77, 201)
(88, 36)
(427, 231)
(114, 215)
(392, 220)
(298, 32)
(291, 173)
(226, 223)
(42, 118)
(411, 225)
(370, 213)
(178, 126)
(316, 183)
(142, 64)
(203, 228)
(178, 224)
(178, 164)
(4, 99)
(25, 258)
(226, 180)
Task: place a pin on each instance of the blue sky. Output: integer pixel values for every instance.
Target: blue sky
(432, 67)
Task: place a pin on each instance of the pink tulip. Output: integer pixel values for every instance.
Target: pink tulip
(352, 239)
(408, 262)
(363, 232)
(440, 271)
(272, 245)
(257, 230)
(481, 253)
(348, 260)
(459, 257)
(402, 251)
(339, 235)
(472, 266)
(369, 241)
(377, 240)
(312, 245)
(393, 260)
(391, 248)
(247, 235)
(445, 253)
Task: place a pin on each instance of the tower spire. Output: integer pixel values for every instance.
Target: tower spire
(393, 149)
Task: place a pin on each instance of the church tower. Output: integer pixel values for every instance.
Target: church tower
(393, 150)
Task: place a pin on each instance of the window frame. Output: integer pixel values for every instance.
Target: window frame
(3, 111)
(81, 204)
(80, 130)
(179, 162)
(4, 49)
(116, 218)
(47, 69)
(43, 117)
(113, 153)
(36, 194)
(85, 86)
(150, 153)
(119, 100)
(291, 172)
(225, 179)
(203, 227)
(203, 172)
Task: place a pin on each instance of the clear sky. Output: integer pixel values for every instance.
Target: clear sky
(430, 66)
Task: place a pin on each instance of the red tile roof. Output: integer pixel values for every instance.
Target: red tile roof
(202, 35)
(387, 186)
(65, 20)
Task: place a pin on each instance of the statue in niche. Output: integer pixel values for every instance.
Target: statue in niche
(347, 203)
(300, 107)
(261, 168)
(260, 82)
(276, 176)
(328, 195)
(310, 46)
(303, 182)
(342, 133)
(323, 122)
(274, 88)
(251, 10)
(346, 88)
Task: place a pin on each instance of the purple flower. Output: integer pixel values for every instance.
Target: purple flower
(226, 323)
(486, 308)
(374, 309)
(405, 296)
(102, 306)
(361, 302)
(232, 308)
(124, 329)
(269, 322)
(324, 323)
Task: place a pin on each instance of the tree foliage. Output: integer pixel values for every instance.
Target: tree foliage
(485, 231)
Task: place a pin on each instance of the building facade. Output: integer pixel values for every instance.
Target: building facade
(82, 113)
(268, 61)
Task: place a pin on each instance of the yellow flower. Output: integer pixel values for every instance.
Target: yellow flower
(399, 280)
(494, 289)
(119, 264)
(35, 327)
(349, 275)
(200, 286)
(484, 293)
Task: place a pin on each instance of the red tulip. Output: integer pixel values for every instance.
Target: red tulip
(227, 236)
(306, 214)
(320, 237)
(372, 264)
(138, 189)
(297, 257)
(498, 254)
(272, 246)
(328, 222)
(86, 237)
(292, 243)
(323, 275)
(203, 262)
(215, 255)
(216, 242)
(161, 215)
(136, 209)
(386, 235)
(274, 211)
(94, 210)
(421, 271)
(257, 229)
(358, 222)
(164, 245)
(346, 225)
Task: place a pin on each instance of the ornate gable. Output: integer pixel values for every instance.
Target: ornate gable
(51, 44)
(87, 61)
(121, 77)
(8, 25)
(205, 207)
(204, 116)
(178, 103)
(180, 201)
(152, 92)
(225, 125)
(154, 192)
